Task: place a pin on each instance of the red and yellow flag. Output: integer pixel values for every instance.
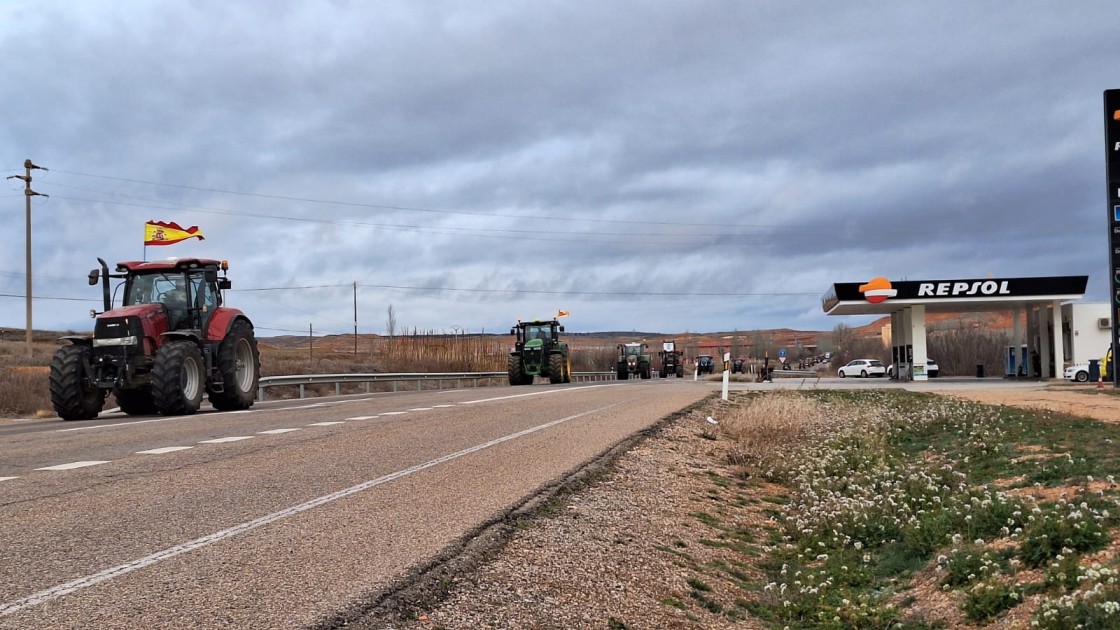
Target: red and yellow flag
(160, 233)
(560, 314)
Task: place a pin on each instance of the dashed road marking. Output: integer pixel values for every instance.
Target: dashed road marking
(277, 431)
(421, 409)
(235, 438)
(393, 413)
(362, 418)
(73, 465)
(325, 424)
(8, 478)
(163, 450)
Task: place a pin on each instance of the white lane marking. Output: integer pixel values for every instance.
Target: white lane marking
(546, 392)
(8, 478)
(278, 431)
(73, 465)
(325, 424)
(234, 438)
(393, 413)
(421, 409)
(120, 424)
(441, 406)
(171, 552)
(362, 418)
(164, 450)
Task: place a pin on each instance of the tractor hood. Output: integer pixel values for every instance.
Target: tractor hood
(153, 318)
(534, 344)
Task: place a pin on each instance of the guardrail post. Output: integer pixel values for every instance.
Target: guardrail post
(260, 392)
(301, 390)
(419, 385)
(338, 388)
(369, 386)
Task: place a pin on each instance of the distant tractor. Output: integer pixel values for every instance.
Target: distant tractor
(704, 364)
(633, 359)
(672, 360)
(538, 351)
(738, 366)
(169, 342)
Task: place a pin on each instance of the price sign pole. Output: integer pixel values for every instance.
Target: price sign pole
(1112, 174)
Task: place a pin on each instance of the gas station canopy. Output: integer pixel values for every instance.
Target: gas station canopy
(883, 297)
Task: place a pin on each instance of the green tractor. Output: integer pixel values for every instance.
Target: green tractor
(633, 358)
(539, 352)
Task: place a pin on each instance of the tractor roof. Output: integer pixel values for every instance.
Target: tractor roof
(537, 322)
(167, 264)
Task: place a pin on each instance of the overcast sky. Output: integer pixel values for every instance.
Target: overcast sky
(669, 166)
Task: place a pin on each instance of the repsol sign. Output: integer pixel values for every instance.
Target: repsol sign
(883, 292)
(976, 287)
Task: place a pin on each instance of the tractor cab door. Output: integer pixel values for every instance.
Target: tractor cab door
(204, 300)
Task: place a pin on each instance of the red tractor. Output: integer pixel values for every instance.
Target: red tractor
(169, 342)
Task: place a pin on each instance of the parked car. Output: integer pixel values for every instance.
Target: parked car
(862, 368)
(932, 369)
(1079, 373)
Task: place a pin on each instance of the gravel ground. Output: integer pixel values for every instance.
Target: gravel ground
(624, 553)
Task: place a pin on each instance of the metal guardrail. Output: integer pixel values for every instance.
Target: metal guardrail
(303, 380)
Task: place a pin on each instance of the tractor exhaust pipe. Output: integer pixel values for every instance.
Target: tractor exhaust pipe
(106, 296)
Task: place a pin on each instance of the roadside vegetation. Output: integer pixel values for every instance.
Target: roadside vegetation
(890, 509)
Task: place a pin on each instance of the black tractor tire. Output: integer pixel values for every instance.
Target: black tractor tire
(513, 368)
(239, 363)
(178, 378)
(621, 372)
(662, 373)
(72, 396)
(567, 369)
(643, 369)
(136, 402)
(556, 368)
(680, 371)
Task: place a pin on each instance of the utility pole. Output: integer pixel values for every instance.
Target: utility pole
(28, 194)
(355, 318)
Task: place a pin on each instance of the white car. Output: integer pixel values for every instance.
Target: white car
(862, 368)
(932, 369)
(1079, 373)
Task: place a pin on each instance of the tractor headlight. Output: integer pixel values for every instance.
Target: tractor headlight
(115, 341)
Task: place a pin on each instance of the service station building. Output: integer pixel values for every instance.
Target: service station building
(1047, 301)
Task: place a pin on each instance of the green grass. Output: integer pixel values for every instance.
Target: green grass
(890, 484)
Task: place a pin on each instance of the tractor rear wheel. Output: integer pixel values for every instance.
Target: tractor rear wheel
(178, 378)
(135, 402)
(567, 369)
(556, 368)
(72, 396)
(239, 363)
(643, 369)
(622, 372)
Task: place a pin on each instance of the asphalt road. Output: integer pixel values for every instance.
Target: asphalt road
(286, 514)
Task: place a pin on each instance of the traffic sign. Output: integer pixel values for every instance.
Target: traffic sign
(782, 352)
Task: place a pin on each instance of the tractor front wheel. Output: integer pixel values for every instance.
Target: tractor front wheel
(239, 362)
(513, 368)
(177, 378)
(72, 396)
(643, 369)
(556, 368)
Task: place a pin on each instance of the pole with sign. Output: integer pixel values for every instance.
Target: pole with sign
(1112, 174)
(726, 372)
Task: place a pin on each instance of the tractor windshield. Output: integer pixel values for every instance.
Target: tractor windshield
(543, 333)
(634, 350)
(155, 288)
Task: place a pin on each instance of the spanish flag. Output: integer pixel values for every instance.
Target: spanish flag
(560, 314)
(160, 233)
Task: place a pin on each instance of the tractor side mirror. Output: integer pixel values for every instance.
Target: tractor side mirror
(210, 275)
(94, 276)
(561, 329)
(513, 331)
(223, 284)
